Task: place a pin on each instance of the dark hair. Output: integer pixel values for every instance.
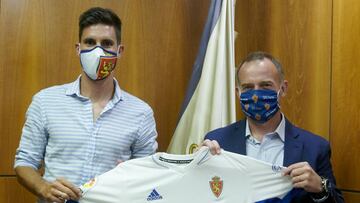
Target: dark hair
(260, 55)
(99, 15)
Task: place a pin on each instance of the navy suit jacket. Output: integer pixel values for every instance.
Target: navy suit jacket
(300, 146)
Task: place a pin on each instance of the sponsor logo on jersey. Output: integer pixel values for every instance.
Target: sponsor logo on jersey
(88, 185)
(216, 186)
(276, 168)
(154, 195)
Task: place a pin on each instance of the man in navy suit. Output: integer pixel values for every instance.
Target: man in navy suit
(267, 135)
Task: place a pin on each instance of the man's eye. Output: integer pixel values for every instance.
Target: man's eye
(269, 84)
(106, 44)
(90, 42)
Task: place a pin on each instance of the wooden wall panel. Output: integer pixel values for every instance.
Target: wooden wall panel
(351, 197)
(11, 191)
(298, 33)
(20, 73)
(345, 97)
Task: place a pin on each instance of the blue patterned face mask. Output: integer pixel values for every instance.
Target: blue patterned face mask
(259, 105)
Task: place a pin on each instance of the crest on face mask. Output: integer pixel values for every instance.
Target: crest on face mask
(98, 63)
(106, 66)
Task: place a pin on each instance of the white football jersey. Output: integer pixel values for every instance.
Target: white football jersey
(199, 177)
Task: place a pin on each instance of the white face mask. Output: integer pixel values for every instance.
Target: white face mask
(98, 62)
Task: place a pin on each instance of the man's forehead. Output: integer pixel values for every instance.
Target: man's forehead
(99, 26)
(265, 62)
(258, 70)
(99, 30)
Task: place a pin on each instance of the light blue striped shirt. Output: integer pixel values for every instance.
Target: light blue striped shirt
(271, 148)
(60, 131)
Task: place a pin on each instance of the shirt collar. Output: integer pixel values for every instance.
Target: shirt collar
(74, 89)
(280, 130)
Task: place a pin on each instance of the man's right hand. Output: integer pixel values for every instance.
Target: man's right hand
(59, 191)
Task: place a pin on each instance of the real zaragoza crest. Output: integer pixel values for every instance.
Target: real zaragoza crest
(216, 186)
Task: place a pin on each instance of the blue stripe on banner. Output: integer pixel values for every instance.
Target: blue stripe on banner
(213, 16)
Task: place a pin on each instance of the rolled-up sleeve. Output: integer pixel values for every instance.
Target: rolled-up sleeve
(33, 139)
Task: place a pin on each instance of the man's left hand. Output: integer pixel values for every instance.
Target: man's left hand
(213, 146)
(303, 176)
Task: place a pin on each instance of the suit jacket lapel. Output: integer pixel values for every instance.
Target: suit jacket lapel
(239, 137)
(293, 147)
(242, 138)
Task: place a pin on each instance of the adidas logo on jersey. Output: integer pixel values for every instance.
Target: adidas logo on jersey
(154, 195)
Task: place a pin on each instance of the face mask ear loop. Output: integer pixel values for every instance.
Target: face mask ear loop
(278, 96)
(239, 92)
(79, 50)
(118, 53)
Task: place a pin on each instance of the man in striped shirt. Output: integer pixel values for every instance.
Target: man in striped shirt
(84, 128)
